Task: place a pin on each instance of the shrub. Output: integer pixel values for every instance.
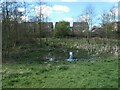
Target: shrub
(62, 29)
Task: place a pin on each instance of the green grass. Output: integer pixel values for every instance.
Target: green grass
(78, 74)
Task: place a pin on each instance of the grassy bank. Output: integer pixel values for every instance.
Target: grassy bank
(59, 49)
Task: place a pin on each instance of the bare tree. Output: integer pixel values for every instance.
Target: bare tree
(10, 18)
(41, 19)
(89, 13)
(113, 13)
(107, 21)
(119, 11)
(5, 27)
(0, 33)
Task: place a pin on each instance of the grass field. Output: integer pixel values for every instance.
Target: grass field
(29, 72)
(77, 74)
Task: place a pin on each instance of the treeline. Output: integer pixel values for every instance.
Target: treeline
(15, 33)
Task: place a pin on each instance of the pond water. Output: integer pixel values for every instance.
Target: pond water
(72, 54)
(76, 59)
(63, 54)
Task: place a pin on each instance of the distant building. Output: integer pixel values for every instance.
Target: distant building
(47, 26)
(80, 26)
(56, 24)
(71, 28)
(96, 29)
(116, 26)
(29, 26)
(36, 26)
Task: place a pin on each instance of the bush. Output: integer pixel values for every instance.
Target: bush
(62, 29)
